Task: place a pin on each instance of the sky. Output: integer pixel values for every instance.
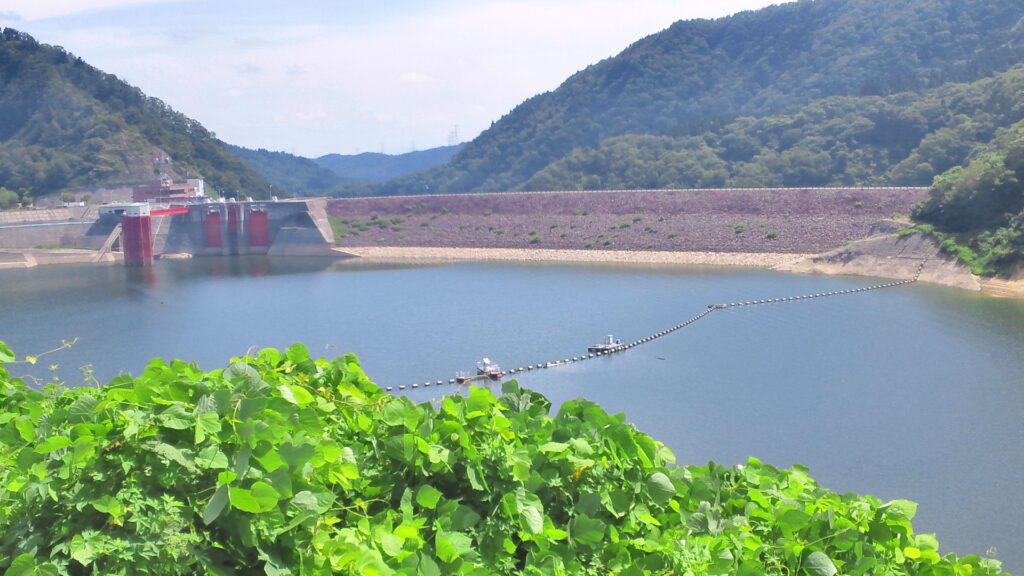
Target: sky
(314, 77)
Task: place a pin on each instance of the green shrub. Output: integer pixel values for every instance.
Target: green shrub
(285, 464)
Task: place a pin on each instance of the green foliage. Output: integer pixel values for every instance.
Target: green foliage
(903, 139)
(343, 227)
(283, 464)
(8, 198)
(65, 124)
(977, 211)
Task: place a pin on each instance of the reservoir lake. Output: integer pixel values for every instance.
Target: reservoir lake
(912, 392)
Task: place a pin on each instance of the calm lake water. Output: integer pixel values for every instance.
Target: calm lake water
(914, 392)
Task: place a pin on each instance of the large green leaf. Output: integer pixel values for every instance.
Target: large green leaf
(660, 487)
(216, 505)
(452, 545)
(243, 499)
(818, 563)
(427, 496)
(24, 564)
(207, 423)
(176, 417)
(212, 457)
(6, 355)
(265, 495)
(793, 519)
(82, 409)
(587, 531)
(295, 394)
(902, 508)
(52, 444)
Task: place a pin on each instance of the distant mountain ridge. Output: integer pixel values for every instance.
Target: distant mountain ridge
(701, 74)
(286, 171)
(376, 167)
(334, 172)
(65, 125)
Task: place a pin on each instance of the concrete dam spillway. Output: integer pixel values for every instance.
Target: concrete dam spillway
(147, 231)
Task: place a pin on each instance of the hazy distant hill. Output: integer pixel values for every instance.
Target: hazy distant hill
(335, 172)
(289, 172)
(700, 75)
(67, 125)
(374, 167)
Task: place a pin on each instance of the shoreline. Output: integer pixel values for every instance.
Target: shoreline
(881, 256)
(765, 260)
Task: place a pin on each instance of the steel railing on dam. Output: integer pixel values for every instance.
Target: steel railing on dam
(711, 308)
(770, 189)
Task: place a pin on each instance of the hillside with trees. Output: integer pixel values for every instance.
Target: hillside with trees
(701, 75)
(903, 139)
(285, 171)
(65, 125)
(977, 210)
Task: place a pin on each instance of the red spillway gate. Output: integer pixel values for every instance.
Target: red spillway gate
(214, 239)
(259, 231)
(232, 219)
(137, 232)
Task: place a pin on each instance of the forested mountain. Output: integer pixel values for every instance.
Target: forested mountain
(704, 74)
(373, 167)
(285, 171)
(66, 125)
(901, 139)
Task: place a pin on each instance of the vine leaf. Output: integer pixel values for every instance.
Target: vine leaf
(216, 505)
(819, 564)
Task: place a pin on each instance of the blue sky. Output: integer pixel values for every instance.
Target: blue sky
(313, 77)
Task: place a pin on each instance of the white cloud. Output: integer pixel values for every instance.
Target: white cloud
(38, 9)
(416, 78)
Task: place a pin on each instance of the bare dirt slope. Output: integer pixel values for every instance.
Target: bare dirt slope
(887, 255)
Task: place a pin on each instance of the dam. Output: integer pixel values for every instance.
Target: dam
(141, 232)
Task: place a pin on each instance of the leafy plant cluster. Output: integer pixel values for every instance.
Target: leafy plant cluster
(283, 464)
(66, 125)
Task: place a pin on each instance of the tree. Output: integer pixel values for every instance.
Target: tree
(8, 198)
